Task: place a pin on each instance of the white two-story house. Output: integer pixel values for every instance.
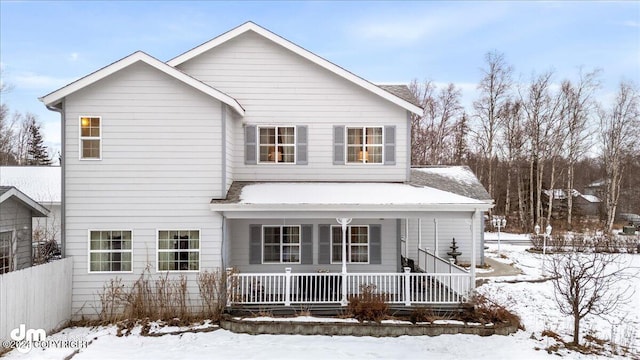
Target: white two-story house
(253, 153)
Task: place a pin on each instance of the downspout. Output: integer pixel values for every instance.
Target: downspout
(63, 206)
(472, 279)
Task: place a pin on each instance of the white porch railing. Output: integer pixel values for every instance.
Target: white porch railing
(431, 263)
(326, 288)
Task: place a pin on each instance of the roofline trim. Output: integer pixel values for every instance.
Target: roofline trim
(34, 205)
(56, 96)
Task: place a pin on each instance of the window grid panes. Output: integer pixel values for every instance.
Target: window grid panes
(90, 137)
(110, 251)
(281, 244)
(6, 252)
(364, 145)
(277, 144)
(357, 244)
(178, 250)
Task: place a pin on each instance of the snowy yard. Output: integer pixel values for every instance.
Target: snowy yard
(533, 302)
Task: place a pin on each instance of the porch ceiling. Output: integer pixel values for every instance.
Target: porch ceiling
(306, 199)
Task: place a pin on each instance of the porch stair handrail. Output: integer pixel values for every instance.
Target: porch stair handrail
(431, 263)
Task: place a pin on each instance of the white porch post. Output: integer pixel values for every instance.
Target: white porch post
(472, 280)
(435, 245)
(344, 222)
(406, 237)
(419, 233)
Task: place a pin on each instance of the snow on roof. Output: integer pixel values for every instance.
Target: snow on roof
(457, 173)
(591, 198)
(348, 193)
(41, 183)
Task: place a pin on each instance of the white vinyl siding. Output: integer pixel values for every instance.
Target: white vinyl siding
(160, 168)
(90, 137)
(276, 86)
(110, 251)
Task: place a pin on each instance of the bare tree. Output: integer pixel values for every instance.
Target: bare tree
(433, 133)
(578, 106)
(619, 135)
(541, 113)
(588, 284)
(513, 140)
(495, 91)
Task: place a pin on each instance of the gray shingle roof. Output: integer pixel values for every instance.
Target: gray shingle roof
(437, 177)
(401, 91)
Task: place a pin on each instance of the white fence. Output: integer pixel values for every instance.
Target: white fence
(325, 288)
(39, 297)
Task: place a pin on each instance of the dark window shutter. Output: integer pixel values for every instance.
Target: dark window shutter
(338, 145)
(255, 244)
(375, 244)
(306, 247)
(250, 145)
(301, 145)
(389, 145)
(324, 244)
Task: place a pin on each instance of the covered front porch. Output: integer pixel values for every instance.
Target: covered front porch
(289, 253)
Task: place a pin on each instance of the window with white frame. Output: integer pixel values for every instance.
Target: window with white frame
(357, 244)
(6, 252)
(364, 145)
(110, 251)
(90, 137)
(281, 244)
(178, 250)
(277, 144)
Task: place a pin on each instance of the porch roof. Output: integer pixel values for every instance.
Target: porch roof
(342, 197)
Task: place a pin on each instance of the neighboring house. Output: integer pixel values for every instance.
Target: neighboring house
(251, 152)
(42, 184)
(583, 205)
(16, 213)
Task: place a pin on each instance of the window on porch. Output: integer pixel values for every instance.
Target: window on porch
(357, 244)
(281, 244)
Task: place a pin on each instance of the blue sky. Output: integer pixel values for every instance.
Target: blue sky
(45, 45)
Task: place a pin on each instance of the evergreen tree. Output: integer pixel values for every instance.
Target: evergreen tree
(37, 153)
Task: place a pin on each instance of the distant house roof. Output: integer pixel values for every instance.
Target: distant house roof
(8, 192)
(591, 198)
(56, 97)
(41, 183)
(454, 179)
(250, 26)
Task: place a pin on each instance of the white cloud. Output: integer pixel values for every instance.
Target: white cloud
(631, 23)
(74, 56)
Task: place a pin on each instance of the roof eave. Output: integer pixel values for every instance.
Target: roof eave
(37, 210)
(242, 207)
(56, 97)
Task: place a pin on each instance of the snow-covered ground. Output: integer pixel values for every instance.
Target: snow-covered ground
(533, 301)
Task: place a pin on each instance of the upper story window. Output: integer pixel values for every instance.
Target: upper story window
(281, 244)
(364, 145)
(90, 137)
(277, 144)
(178, 250)
(110, 251)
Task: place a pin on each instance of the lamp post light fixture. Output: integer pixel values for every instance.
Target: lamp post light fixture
(499, 222)
(547, 232)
